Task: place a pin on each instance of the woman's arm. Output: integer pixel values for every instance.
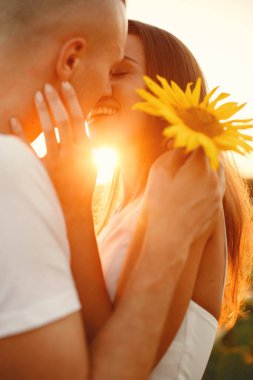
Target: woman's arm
(201, 281)
(206, 259)
(209, 244)
(70, 165)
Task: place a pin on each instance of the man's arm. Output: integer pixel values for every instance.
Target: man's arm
(55, 351)
(87, 271)
(119, 351)
(41, 333)
(51, 340)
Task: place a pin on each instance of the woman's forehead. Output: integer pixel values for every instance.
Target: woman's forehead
(134, 49)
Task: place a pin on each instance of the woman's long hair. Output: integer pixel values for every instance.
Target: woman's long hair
(171, 59)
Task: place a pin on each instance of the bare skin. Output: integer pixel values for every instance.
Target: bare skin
(69, 55)
(203, 276)
(149, 283)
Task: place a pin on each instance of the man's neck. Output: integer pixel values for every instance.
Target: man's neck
(31, 126)
(5, 127)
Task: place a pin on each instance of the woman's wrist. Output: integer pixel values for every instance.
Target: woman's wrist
(163, 245)
(167, 234)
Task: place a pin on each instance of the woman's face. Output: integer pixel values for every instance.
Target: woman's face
(112, 121)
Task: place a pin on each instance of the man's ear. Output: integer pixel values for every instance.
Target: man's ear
(69, 57)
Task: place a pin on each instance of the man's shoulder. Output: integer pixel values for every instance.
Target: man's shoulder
(14, 152)
(19, 164)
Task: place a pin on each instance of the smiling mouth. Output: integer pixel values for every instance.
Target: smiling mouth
(100, 112)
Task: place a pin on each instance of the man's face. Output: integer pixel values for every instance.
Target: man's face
(102, 54)
(105, 37)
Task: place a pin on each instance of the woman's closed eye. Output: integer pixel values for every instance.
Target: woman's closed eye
(118, 73)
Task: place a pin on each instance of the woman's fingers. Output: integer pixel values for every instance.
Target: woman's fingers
(46, 123)
(172, 160)
(221, 178)
(75, 113)
(17, 128)
(61, 117)
(52, 112)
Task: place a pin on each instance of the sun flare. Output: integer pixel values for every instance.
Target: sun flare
(105, 158)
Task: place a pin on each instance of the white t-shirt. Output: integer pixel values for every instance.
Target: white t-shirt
(36, 284)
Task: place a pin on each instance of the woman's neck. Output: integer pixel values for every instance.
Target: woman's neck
(135, 163)
(132, 171)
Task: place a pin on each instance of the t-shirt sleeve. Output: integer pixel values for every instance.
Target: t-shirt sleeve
(36, 284)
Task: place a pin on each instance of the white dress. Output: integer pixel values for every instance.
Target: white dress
(188, 354)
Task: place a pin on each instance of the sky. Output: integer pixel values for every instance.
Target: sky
(220, 35)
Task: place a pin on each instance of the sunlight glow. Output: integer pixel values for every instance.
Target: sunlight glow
(105, 158)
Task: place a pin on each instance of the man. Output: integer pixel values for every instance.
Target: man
(41, 325)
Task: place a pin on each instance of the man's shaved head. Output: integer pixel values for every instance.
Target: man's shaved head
(20, 16)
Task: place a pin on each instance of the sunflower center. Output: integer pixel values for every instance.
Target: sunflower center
(200, 120)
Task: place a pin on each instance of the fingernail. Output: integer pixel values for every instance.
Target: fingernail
(49, 89)
(66, 86)
(15, 125)
(39, 97)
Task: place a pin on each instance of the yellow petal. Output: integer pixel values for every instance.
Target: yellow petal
(242, 121)
(148, 108)
(169, 91)
(210, 150)
(242, 126)
(184, 102)
(173, 129)
(170, 116)
(193, 143)
(204, 103)
(150, 98)
(222, 96)
(234, 142)
(196, 92)
(158, 91)
(239, 135)
(156, 107)
(228, 110)
(188, 91)
(181, 140)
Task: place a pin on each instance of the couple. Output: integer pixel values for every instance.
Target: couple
(149, 306)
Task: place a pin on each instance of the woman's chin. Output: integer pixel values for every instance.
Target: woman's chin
(101, 137)
(100, 140)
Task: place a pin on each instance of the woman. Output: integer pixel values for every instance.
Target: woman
(150, 50)
(195, 310)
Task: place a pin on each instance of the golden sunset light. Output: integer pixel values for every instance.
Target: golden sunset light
(105, 158)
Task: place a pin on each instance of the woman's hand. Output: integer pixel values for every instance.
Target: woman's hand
(70, 162)
(183, 196)
(71, 167)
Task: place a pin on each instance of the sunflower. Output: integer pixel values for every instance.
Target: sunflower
(194, 123)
